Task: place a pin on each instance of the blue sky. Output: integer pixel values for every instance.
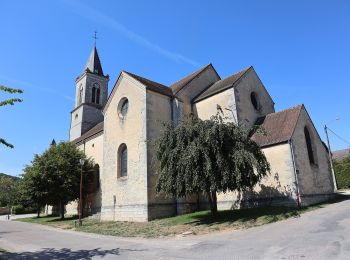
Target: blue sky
(300, 49)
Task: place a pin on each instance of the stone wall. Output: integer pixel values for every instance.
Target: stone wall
(86, 115)
(315, 180)
(278, 188)
(125, 198)
(159, 110)
(93, 148)
(246, 112)
(195, 87)
(86, 80)
(206, 108)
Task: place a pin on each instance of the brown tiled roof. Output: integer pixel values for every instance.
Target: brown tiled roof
(178, 85)
(279, 126)
(221, 85)
(341, 154)
(93, 131)
(152, 85)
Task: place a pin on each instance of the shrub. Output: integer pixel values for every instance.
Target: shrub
(18, 209)
(342, 173)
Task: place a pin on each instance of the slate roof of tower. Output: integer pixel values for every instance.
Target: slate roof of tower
(279, 126)
(152, 85)
(93, 131)
(93, 64)
(221, 85)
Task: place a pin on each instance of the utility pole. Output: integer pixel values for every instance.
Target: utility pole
(330, 158)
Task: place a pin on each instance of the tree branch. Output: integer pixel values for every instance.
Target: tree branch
(10, 90)
(11, 101)
(3, 141)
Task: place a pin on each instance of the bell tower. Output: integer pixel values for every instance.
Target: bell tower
(91, 89)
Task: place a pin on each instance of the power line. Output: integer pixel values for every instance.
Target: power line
(341, 138)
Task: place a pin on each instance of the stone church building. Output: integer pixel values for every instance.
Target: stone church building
(117, 130)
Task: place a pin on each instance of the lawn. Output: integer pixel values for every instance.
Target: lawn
(194, 223)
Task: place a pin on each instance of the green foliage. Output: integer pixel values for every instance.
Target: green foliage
(208, 156)
(10, 101)
(17, 209)
(7, 191)
(342, 173)
(54, 177)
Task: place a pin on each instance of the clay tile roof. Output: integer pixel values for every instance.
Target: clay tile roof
(279, 126)
(221, 85)
(178, 85)
(152, 85)
(341, 154)
(93, 131)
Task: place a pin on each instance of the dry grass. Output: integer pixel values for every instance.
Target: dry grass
(198, 222)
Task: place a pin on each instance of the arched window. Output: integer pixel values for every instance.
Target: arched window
(255, 101)
(123, 160)
(95, 94)
(98, 96)
(309, 145)
(80, 94)
(123, 107)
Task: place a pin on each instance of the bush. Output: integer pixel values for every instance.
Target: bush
(18, 209)
(342, 173)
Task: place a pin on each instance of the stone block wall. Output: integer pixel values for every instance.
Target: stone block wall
(315, 180)
(278, 188)
(125, 198)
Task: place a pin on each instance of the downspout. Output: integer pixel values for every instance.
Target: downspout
(295, 172)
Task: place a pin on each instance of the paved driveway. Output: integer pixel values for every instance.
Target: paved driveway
(321, 234)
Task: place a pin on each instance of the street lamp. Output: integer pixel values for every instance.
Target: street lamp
(330, 152)
(81, 161)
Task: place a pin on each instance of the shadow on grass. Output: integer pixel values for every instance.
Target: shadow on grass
(251, 215)
(269, 214)
(58, 219)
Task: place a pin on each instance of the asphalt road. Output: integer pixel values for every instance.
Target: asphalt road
(320, 234)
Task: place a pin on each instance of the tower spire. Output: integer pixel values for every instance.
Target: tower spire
(93, 64)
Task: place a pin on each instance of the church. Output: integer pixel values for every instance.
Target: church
(117, 130)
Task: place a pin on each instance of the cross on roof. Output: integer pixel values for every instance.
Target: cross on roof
(95, 36)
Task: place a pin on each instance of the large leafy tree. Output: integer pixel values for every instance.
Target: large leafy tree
(10, 101)
(7, 191)
(208, 156)
(33, 187)
(54, 176)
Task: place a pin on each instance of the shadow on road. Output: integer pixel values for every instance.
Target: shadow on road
(64, 253)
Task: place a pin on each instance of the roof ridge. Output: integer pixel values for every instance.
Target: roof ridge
(151, 85)
(135, 75)
(203, 95)
(91, 132)
(179, 85)
(287, 109)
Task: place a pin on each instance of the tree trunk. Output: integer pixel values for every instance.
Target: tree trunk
(38, 211)
(61, 210)
(213, 203)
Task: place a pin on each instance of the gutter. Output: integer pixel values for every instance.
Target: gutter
(295, 173)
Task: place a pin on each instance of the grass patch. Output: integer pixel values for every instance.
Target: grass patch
(197, 222)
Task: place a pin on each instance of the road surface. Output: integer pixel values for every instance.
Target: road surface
(320, 234)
